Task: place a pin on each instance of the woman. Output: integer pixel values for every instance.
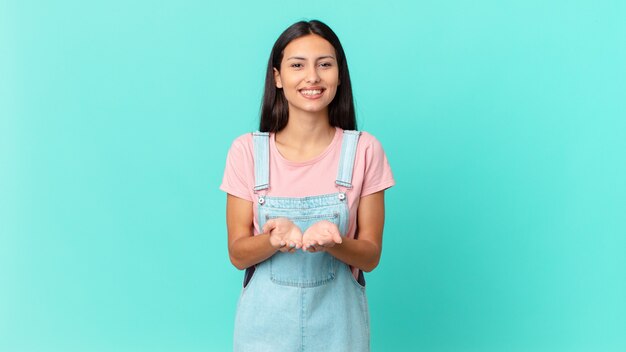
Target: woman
(305, 204)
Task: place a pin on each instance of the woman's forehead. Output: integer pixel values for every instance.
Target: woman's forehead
(309, 46)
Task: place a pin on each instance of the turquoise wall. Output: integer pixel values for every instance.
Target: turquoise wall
(504, 123)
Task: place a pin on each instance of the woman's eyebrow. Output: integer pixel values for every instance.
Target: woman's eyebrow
(319, 58)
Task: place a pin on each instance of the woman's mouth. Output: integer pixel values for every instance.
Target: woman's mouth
(312, 93)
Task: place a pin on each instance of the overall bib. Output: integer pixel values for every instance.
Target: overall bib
(302, 301)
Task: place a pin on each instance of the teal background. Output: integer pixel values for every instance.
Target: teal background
(504, 123)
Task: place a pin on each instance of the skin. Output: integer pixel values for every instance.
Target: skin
(307, 62)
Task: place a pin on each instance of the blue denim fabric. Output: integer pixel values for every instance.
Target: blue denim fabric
(348, 153)
(304, 301)
(261, 157)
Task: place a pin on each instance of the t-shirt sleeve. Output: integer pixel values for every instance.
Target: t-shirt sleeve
(378, 174)
(239, 170)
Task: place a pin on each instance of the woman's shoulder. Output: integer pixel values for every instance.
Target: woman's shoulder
(243, 141)
(368, 141)
(366, 136)
(241, 146)
(245, 138)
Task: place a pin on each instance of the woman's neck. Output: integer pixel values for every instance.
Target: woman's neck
(305, 135)
(304, 128)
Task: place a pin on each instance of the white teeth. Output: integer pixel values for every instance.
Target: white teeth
(311, 91)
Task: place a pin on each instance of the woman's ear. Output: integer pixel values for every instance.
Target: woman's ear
(279, 84)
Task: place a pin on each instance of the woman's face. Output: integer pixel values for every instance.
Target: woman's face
(308, 74)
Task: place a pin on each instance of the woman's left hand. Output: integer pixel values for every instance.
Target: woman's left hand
(321, 235)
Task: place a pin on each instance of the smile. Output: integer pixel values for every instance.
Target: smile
(312, 93)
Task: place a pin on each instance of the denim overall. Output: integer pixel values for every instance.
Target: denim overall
(302, 301)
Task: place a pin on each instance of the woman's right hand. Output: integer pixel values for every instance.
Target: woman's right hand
(285, 236)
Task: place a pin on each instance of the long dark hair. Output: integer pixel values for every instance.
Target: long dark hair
(275, 109)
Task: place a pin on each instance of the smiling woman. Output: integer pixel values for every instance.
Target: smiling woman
(306, 234)
(309, 76)
(301, 47)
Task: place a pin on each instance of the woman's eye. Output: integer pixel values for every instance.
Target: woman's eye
(326, 64)
(296, 65)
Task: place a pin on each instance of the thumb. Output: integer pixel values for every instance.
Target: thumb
(269, 226)
(336, 236)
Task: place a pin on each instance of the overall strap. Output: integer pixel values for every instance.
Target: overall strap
(348, 153)
(261, 142)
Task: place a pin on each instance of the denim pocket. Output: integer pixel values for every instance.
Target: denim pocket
(304, 269)
(358, 282)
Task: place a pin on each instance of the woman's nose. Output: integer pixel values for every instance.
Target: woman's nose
(312, 76)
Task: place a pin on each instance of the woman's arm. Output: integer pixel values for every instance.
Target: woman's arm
(244, 248)
(364, 252)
